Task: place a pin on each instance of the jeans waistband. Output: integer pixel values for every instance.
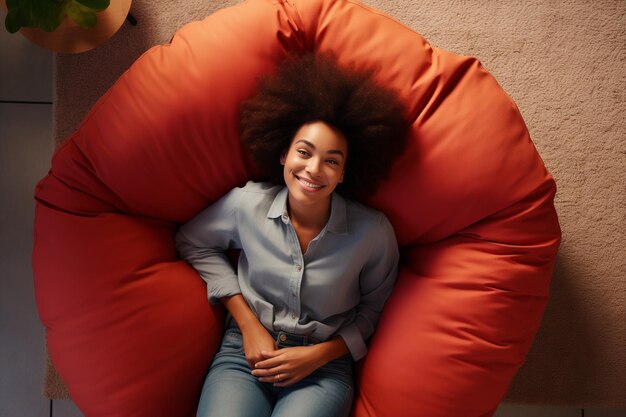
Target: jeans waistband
(282, 338)
(285, 339)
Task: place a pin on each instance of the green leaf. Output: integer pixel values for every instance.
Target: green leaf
(97, 5)
(48, 14)
(83, 16)
(12, 5)
(44, 14)
(16, 15)
(13, 21)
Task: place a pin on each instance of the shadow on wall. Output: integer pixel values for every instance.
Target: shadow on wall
(552, 368)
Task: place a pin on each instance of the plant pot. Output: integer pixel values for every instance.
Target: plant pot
(71, 38)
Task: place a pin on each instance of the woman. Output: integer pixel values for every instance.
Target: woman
(315, 269)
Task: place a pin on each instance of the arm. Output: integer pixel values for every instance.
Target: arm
(203, 242)
(256, 339)
(376, 283)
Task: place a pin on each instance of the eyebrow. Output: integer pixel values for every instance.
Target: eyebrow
(332, 151)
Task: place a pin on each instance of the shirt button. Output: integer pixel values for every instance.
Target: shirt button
(293, 316)
(298, 268)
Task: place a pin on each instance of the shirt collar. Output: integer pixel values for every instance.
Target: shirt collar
(337, 223)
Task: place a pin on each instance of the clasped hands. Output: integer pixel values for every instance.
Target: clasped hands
(280, 367)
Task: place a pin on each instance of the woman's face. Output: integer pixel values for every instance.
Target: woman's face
(314, 163)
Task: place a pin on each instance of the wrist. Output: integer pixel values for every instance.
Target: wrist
(241, 312)
(332, 349)
(249, 324)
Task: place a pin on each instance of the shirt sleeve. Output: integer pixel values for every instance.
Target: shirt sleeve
(376, 283)
(204, 240)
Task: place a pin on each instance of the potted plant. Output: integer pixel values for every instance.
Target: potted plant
(66, 25)
(48, 14)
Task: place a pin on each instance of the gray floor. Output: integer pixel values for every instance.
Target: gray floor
(25, 150)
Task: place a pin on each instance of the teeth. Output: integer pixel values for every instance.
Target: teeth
(308, 184)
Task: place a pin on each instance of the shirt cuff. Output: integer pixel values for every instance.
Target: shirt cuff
(354, 340)
(223, 288)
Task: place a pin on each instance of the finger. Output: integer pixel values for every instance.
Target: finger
(270, 353)
(269, 379)
(275, 378)
(269, 363)
(286, 382)
(262, 373)
(252, 362)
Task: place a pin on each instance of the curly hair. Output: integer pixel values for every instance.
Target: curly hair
(312, 88)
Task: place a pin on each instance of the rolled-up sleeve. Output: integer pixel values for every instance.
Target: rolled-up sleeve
(204, 240)
(376, 282)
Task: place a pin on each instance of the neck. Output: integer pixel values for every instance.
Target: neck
(309, 216)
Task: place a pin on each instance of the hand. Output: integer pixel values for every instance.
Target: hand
(255, 341)
(255, 337)
(287, 366)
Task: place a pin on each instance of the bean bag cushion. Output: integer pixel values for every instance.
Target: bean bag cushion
(128, 324)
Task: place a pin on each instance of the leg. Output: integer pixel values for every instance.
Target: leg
(327, 392)
(230, 389)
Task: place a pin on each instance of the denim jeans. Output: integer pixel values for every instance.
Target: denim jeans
(230, 390)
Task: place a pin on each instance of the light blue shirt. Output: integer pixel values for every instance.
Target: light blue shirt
(338, 287)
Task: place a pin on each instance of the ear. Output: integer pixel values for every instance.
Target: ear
(341, 178)
(283, 157)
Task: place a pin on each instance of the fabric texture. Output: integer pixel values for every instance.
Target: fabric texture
(337, 287)
(471, 203)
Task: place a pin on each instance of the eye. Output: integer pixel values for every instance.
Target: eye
(302, 152)
(332, 162)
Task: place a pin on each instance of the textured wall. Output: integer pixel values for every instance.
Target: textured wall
(564, 63)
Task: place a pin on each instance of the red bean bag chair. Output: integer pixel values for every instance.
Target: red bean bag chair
(128, 324)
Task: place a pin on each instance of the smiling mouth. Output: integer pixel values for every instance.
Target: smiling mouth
(309, 184)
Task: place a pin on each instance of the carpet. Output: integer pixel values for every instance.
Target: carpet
(564, 64)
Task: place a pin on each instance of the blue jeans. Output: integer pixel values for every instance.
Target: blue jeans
(230, 390)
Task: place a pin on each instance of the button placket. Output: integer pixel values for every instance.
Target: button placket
(296, 282)
(294, 289)
(294, 304)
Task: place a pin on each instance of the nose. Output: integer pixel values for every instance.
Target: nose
(313, 166)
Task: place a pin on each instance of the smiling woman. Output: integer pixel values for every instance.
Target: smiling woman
(314, 269)
(313, 167)
(315, 88)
